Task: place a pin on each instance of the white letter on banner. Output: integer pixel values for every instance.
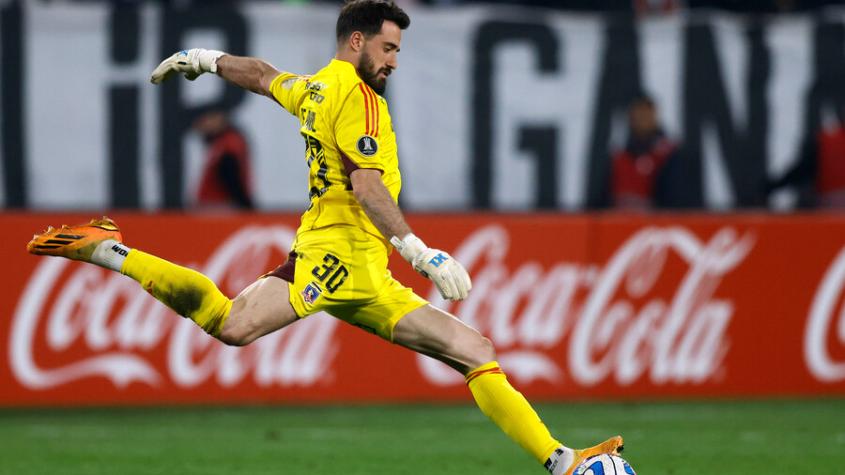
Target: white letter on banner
(821, 365)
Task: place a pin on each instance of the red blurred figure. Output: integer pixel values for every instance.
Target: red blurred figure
(656, 7)
(636, 168)
(830, 178)
(227, 176)
(819, 173)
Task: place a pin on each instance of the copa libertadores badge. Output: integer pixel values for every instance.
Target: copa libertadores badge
(367, 146)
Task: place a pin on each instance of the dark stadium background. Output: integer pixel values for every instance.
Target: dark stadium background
(706, 327)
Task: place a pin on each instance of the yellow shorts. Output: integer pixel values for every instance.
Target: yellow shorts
(343, 271)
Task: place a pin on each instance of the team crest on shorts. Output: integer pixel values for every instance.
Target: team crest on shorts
(311, 293)
(367, 146)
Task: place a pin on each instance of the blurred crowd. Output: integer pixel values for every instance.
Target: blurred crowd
(641, 175)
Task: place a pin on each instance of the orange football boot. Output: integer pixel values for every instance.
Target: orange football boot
(611, 446)
(74, 242)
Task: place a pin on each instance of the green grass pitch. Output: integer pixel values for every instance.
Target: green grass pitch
(689, 438)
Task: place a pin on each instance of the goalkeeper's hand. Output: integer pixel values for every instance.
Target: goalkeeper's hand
(191, 63)
(448, 275)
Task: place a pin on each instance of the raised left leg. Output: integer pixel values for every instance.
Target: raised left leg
(433, 332)
(259, 309)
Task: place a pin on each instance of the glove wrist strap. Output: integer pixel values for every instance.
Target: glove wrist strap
(409, 246)
(208, 59)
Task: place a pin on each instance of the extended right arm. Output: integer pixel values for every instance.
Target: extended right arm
(249, 73)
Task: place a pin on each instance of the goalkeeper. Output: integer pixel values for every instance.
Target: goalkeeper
(338, 262)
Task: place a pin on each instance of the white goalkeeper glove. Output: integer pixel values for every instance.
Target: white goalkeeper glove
(448, 275)
(191, 63)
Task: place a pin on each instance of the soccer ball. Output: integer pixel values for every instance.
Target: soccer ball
(604, 464)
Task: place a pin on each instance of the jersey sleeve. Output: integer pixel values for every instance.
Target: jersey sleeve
(289, 90)
(357, 129)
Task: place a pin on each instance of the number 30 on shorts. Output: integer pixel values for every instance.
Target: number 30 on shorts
(331, 273)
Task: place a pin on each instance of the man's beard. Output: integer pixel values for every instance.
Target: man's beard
(367, 71)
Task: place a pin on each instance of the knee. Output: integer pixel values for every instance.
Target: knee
(233, 337)
(481, 351)
(234, 334)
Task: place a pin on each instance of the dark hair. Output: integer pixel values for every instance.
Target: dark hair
(367, 16)
(642, 98)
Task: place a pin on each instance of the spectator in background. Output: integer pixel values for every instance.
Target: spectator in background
(226, 178)
(656, 7)
(819, 173)
(637, 171)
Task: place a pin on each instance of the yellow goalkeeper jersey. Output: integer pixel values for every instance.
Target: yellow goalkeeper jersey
(346, 126)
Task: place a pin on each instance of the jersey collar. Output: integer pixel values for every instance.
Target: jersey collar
(341, 64)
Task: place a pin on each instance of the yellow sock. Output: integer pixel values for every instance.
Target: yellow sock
(184, 290)
(509, 410)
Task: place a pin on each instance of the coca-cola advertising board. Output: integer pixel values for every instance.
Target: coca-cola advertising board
(586, 306)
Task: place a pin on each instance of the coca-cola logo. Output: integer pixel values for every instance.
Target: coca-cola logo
(826, 324)
(118, 325)
(605, 319)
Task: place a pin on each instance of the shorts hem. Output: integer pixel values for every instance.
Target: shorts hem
(410, 309)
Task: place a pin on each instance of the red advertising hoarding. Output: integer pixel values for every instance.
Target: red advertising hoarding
(590, 306)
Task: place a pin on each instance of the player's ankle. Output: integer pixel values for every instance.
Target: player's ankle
(110, 254)
(560, 460)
